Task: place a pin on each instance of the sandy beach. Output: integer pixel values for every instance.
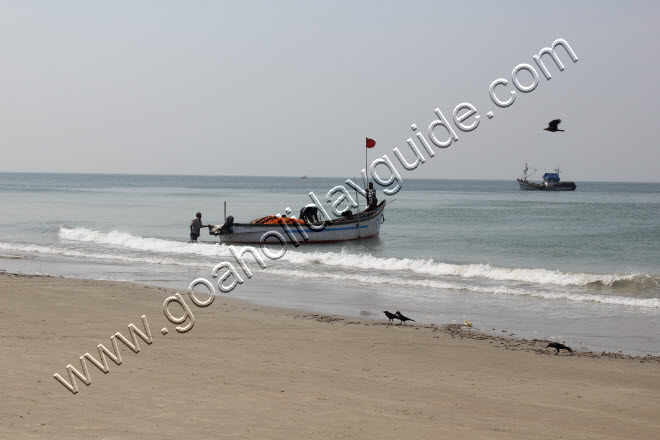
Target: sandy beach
(323, 165)
(253, 372)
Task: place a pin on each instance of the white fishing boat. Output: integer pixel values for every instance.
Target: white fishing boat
(365, 224)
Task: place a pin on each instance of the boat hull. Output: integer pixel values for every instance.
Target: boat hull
(532, 186)
(366, 226)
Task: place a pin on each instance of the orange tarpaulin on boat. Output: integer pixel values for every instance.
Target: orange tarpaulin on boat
(273, 220)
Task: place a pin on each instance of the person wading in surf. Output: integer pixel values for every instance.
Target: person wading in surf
(195, 226)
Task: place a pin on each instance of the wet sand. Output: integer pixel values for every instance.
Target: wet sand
(248, 371)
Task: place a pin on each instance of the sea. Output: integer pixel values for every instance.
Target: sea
(581, 267)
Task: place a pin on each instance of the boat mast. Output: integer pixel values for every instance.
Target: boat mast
(357, 199)
(525, 175)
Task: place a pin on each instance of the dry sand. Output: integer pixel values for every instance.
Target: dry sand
(252, 372)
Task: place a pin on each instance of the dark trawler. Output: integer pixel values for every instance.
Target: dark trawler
(551, 182)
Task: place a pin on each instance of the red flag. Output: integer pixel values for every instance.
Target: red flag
(371, 143)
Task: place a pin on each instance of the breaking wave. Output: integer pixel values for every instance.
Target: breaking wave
(635, 282)
(484, 271)
(66, 252)
(637, 290)
(499, 290)
(128, 241)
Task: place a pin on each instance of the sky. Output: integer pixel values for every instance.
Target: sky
(292, 88)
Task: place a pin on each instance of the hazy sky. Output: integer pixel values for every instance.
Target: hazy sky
(293, 88)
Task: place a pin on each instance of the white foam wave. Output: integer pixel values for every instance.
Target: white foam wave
(66, 252)
(498, 290)
(125, 240)
(358, 277)
(431, 267)
(352, 261)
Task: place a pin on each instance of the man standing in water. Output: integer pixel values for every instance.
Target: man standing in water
(195, 226)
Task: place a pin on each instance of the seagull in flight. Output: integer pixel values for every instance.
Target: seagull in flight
(553, 126)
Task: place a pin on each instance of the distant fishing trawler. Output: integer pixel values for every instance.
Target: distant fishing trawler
(551, 182)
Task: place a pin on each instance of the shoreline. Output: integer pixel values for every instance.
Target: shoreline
(262, 372)
(507, 341)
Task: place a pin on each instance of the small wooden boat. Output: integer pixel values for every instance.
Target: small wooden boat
(365, 224)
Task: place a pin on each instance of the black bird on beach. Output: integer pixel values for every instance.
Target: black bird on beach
(402, 318)
(558, 346)
(553, 125)
(390, 316)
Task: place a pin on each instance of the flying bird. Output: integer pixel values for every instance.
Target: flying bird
(558, 346)
(402, 318)
(390, 316)
(553, 126)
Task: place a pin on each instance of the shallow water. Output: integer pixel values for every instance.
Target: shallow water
(580, 266)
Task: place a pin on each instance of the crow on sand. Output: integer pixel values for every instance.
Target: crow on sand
(558, 346)
(402, 318)
(553, 126)
(390, 316)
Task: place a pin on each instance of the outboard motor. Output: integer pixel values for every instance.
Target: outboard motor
(228, 227)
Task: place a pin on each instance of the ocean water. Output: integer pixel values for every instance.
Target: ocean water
(581, 267)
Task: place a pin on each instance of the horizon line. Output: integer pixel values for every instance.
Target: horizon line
(286, 177)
